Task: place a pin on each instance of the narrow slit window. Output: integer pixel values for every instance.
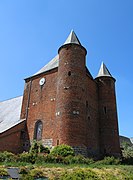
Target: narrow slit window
(57, 142)
(69, 73)
(105, 110)
(87, 104)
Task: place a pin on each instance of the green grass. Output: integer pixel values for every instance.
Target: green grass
(74, 171)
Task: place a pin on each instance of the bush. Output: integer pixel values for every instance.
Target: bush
(127, 153)
(27, 157)
(127, 160)
(7, 157)
(48, 158)
(23, 170)
(79, 159)
(37, 147)
(62, 150)
(26, 177)
(3, 172)
(109, 161)
(34, 147)
(37, 173)
(79, 174)
(43, 149)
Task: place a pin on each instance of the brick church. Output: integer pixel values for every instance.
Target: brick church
(63, 104)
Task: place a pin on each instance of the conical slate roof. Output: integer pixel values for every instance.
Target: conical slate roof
(72, 38)
(54, 63)
(104, 71)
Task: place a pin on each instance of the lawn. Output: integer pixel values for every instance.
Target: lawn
(55, 171)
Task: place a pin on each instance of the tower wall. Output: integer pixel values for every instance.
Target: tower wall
(92, 117)
(108, 122)
(71, 97)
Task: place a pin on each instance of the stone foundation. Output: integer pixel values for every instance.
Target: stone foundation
(80, 150)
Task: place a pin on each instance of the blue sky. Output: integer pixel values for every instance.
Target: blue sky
(31, 31)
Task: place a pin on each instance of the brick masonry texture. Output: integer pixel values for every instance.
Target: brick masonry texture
(11, 140)
(74, 109)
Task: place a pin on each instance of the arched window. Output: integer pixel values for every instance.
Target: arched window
(38, 130)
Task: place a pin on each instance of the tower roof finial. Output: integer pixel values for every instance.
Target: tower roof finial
(103, 71)
(72, 38)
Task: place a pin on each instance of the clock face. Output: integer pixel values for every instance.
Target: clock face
(42, 81)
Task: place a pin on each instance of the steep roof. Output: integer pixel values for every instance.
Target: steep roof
(72, 38)
(103, 71)
(54, 63)
(10, 113)
(51, 65)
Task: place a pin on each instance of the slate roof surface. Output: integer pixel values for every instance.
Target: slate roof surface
(104, 71)
(51, 65)
(10, 113)
(72, 38)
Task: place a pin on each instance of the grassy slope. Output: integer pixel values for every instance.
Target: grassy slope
(54, 171)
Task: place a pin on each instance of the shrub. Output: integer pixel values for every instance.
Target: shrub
(37, 147)
(48, 158)
(37, 173)
(127, 153)
(109, 161)
(40, 159)
(79, 174)
(7, 157)
(26, 177)
(79, 159)
(3, 172)
(23, 170)
(34, 147)
(62, 150)
(127, 160)
(27, 157)
(43, 149)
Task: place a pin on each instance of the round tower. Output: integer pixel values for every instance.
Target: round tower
(71, 91)
(108, 121)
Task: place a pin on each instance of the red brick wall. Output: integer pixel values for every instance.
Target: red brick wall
(11, 140)
(71, 95)
(69, 90)
(109, 135)
(92, 116)
(41, 105)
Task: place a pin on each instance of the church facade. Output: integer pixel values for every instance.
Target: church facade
(63, 104)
